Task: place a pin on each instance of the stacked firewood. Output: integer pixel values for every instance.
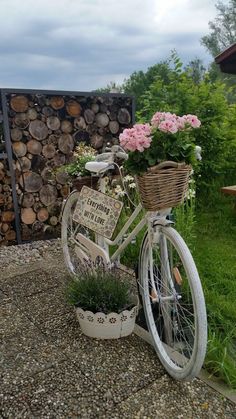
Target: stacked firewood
(7, 214)
(44, 132)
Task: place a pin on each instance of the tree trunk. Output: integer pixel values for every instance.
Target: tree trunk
(34, 147)
(48, 195)
(28, 200)
(42, 214)
(53, 220)
(23, 164)
(32, 114)
(16, 134)
(19, 103)
(19, 149)
(89, 116)
(66, 126)
(38, 130)
(28, 216)
(21, 120)
(114, 127)
(79, 123)
(57, 102)
(49, 151)
(8, 216)
(73, 108)
(53, 123)
(10, 235)
(65, 143)
(124, 116)
(102, 120)
(62, 177)
(31, 182)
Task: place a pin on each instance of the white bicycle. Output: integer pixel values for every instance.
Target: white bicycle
(168, 281)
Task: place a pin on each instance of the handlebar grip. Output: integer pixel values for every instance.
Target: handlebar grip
(122, 155)
(103, 156)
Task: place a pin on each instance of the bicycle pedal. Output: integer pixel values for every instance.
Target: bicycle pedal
(154, 296)
(177, 276)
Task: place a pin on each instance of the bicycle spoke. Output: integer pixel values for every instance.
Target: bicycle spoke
(169, 306)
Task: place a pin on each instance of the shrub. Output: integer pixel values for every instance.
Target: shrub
(100, 291)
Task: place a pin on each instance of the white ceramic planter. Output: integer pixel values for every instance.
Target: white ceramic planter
(110, 326)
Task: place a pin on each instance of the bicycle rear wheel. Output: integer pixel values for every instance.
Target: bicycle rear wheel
(69, 231)
(173, 303)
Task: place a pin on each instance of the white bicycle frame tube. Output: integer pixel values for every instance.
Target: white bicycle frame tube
(105, 243)
(146, 220)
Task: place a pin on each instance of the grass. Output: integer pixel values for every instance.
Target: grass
(215, 256)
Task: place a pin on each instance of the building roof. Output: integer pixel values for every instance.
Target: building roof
(227, 60)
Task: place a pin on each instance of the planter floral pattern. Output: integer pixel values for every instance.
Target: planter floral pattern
(107, 326)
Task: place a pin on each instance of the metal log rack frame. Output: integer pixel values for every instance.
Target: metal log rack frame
(7, 155)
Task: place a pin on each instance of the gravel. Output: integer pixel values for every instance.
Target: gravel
(12, 256)
(49, 369)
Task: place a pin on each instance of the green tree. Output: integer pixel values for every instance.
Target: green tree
(139, 81)
(207, 100)
(111, 87)
(223, 28)
(222, 35)
(196, 70)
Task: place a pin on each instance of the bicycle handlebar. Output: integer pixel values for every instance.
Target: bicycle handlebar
(111, 153)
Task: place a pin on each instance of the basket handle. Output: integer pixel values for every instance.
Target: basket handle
(165, 164)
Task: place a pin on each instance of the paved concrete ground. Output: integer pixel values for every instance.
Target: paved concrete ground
(48, 369)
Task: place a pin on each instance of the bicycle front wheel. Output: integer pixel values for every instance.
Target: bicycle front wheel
(173, 303)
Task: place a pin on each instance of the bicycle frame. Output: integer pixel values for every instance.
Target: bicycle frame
(147, 220)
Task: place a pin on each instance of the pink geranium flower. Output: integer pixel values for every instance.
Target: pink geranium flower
(136, 138)
(168, 125)
(139, 137)
(192, 120)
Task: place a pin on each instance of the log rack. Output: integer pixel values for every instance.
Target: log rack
(12, 106)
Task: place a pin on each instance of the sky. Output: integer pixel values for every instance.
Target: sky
(82, 45)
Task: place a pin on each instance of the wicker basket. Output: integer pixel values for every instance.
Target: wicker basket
(90, 181)
(164, 186)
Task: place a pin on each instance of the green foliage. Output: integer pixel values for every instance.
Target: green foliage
(223, 28)
(111, 87)
(215, 257)
(222, 35)
(82, 155)
(185, 220)
(77, 168)
(196, 70)
(100, 290)
(181, 95)
(139, 81)
(220, 359)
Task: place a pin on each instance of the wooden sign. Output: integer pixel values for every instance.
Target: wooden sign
(97, 211)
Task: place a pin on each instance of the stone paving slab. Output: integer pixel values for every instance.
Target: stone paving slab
(62, 392)
(44, 305)
(28, 352)
(30, 283)
(4, 298)
(169, 399)
(12, 321)
(49, 369)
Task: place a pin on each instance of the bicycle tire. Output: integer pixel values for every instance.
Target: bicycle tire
(69, 229)
(178, 325)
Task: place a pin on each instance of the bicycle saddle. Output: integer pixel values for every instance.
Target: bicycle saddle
(97, 166)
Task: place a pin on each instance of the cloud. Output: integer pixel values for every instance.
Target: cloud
(84, 44)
